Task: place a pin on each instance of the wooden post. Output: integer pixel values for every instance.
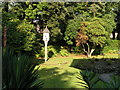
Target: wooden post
(46, 50)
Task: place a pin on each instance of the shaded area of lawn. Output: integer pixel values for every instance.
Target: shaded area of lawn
(58, 73)
(58, 77)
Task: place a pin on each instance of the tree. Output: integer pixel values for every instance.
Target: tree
(118, 20)
(20, 34)
(71, 30)
(83, 11)
(92, 34)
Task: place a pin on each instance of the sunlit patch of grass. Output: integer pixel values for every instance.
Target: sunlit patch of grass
(107, 55)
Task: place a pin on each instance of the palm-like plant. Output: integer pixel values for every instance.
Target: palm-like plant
(114, 83)
(19, 71)
(90, 78)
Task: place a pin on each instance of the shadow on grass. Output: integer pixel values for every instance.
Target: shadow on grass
(60, 77)
(57, 78)
(103, 65)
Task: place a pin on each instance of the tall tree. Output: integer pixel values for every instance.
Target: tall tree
(19, 33)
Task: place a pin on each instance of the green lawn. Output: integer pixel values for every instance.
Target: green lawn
(57, 73)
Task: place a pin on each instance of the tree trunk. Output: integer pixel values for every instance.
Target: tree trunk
(6, 8)
(89, 54)
(88, 51)
(118, 36)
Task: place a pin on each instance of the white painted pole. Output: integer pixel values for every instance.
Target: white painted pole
(46, 50)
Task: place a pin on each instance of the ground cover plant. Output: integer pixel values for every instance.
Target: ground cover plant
(93, 81)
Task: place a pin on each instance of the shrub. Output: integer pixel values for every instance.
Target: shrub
(64, 52)
(52, 51)
(112, 47)
(77, 50)
(19, 71)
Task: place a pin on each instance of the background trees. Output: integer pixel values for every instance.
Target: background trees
(64, 20)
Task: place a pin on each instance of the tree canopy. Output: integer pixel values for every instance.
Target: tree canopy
(68, 22)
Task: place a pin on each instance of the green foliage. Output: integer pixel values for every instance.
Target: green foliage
(52, 51)
(93, 81)
(71, 30)
(109, 23)
(20, 34)
(114, 83)
(28, 36)
(19, 71)
(111, 47)
(34, 10)
(50, 14)
(96, 9)
(77, 50)
(63, 52)
(63, 20)
(96, 32)
(22, 37)
(90, 78)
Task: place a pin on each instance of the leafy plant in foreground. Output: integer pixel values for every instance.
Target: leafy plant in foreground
(114, 83)
(19, 71)
(90, 78)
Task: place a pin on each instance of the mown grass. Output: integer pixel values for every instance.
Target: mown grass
(57, 73)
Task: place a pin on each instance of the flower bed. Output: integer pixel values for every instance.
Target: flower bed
(104, 65)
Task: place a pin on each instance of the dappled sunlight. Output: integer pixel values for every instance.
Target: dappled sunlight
(58, 77)
(78, 37)
(61, 72)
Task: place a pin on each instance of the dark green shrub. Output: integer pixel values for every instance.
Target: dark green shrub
(97, 51)
(19, 71)
(77, 50)
(111, 47)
